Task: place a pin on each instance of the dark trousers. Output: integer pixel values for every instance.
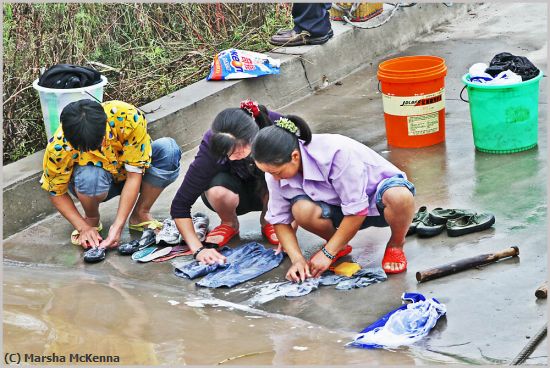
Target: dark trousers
(311, 17)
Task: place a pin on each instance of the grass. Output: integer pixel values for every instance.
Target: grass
(145, 50)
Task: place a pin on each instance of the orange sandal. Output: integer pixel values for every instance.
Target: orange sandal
(269, 230)
(394, 255)
(225, 231)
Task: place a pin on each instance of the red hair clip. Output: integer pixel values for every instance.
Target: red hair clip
(251, 107)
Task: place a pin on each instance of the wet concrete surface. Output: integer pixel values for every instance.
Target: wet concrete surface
(55, 302)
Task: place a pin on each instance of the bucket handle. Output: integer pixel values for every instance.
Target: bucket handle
(379, 90)
(463, 88)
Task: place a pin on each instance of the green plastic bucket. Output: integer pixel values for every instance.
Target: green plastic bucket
(504, 118)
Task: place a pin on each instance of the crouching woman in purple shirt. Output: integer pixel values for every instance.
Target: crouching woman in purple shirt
(224, 175)
(332, 186)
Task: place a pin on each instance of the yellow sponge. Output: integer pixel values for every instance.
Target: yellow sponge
(347, 269)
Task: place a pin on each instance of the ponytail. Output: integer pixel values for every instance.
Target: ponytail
(258, 112)
(274, 145)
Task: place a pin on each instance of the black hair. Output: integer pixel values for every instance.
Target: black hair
(83, 123)
(235, 126)
(274, 145)
(263, 119)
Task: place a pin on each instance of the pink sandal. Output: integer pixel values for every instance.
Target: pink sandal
(225, 231)
(394, 255)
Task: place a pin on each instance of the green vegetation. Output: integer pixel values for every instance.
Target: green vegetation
(145, 50)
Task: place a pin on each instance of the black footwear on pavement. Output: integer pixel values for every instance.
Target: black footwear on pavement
(421, 214)
(147, 238)
(441, 215)
(426, 228)
(470, 224)
(290, 37)
(94, 255)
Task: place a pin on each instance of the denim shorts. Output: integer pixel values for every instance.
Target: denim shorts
(164, 170)
(335, 214)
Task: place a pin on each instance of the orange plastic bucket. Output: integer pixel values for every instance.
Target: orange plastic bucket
(413, 94)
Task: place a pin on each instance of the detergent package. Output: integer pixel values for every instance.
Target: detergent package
(238, 64)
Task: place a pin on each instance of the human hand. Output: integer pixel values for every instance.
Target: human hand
(299, 271)
(113, 239)
(89, 237)
(210, 256)
(319, 263)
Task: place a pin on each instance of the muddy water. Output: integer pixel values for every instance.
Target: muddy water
(55, 310)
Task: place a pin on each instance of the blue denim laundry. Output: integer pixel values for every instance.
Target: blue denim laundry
(244, 263)
(362, 278)
(195, 269)
(402, 326)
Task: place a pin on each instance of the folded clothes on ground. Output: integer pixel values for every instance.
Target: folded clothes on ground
(403, 326)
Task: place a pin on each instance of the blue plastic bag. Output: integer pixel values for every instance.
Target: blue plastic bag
(238, 64)
(403, 326)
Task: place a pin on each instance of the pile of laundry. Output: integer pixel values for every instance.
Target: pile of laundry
(503, 69)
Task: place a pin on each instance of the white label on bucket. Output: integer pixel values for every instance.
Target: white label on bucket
(414, 105)
(423, 124)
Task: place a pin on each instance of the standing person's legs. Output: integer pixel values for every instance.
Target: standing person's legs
(312, 17)
(164, 170)
(311, 26)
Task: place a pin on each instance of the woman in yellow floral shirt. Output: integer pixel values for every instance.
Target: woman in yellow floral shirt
(101, 151)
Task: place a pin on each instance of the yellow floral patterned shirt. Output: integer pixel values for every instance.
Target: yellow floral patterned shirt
(126, 143)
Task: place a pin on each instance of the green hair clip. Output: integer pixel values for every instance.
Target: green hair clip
(287, 125)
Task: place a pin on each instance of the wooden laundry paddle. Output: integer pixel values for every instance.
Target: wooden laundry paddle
(464, 264)
(542, 291)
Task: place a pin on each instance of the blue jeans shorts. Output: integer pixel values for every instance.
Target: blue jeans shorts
(164, 170)
(334, 213)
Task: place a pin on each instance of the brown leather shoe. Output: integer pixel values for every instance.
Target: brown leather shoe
(291, 38)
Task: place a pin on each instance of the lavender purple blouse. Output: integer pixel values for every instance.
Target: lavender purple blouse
(336, 170)
(202, 170)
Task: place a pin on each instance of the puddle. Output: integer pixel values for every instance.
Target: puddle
(59, 311)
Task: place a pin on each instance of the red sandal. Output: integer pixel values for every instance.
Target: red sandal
(394, 255)
(225, 231)
(269, 230)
